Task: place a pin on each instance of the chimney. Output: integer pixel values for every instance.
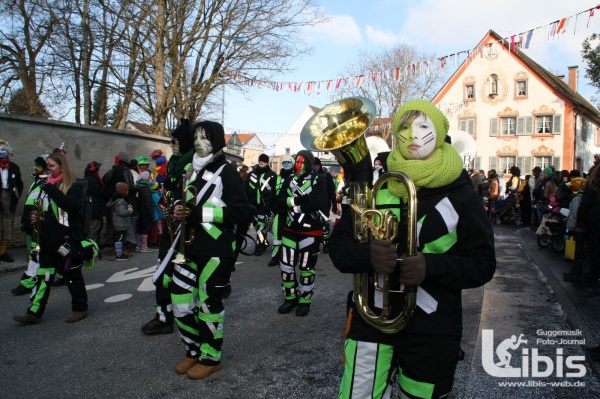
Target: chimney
(573, 70)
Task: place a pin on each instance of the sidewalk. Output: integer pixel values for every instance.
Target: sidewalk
(20, 263)
(580, 302)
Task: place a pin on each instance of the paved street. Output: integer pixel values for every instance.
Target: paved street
(267, 355)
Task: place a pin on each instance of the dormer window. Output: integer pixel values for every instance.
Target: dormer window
(493, 84)
(469, 92)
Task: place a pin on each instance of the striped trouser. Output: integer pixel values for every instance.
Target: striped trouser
(278, 222)
(421, 366)
(51, 263)
(196, 295)
(368, 370)
(260, 225)
(302, 251)
(29, 275)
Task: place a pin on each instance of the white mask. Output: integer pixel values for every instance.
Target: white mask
(418, 140)
(202, 144)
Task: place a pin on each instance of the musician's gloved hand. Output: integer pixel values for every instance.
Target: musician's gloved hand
(383, 256)
(412, 269)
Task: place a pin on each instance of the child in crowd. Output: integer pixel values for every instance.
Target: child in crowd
(146, 212)
(121, 216)
(157, 217)
(551, 196)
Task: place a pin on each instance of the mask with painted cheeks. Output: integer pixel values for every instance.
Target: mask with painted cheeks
(262, 164)
(202, 143)
(300, 167)
(287, 165)
(416, 139)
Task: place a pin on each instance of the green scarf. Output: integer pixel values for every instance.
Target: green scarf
(177, 165)
(441, 169)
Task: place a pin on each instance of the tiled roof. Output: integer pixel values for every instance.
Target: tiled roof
(243, 137)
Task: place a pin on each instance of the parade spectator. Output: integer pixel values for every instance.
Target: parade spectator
(551, 197)
(143, 164)
(60, 242)
(575, 230)
(157, 215)
(493, 191)
(476, 179)
(146, 212)
(160, 169)
(10, 192)
(588, 218)
(538, 194)
(532, 183)
(121, 214)
(99, 197)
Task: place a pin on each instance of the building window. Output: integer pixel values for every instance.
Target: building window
(467, 125)
(287, 151)
(542, 162)
(506, 163)
(469, 92)
(508, 126)
(521, 88)
(543, 124)
(493, 81)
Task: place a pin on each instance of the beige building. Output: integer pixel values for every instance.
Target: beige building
(247, 146)
(519, 113)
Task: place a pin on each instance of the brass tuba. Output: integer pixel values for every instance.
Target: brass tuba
(180, 258)
(339, 128)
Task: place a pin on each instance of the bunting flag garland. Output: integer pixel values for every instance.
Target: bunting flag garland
(329, 88)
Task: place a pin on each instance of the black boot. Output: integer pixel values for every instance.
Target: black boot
(20, 290)
(303, 309)
(274, 261)
(288, 305)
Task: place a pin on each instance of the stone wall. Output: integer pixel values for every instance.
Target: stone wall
(31, 137)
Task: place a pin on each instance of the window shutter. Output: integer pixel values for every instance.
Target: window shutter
(477, 163)
(471, 127)
(493, 127)
(463, 125)
(556, 163)
(526, 170)
(520, 126)
(492, 163)
(528, 124)
(519, 163)
(557, 124)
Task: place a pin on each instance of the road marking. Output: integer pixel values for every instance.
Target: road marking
(93, 286)
(147, 285)
(118, 298)
(125, 275)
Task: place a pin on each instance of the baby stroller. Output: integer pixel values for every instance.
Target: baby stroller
(507, 209)
(552, 231)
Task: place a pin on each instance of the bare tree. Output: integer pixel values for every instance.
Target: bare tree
(419, 76)
(26, 27)
(191, 48)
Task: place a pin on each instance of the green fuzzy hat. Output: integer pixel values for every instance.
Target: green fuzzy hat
(548, 171)
(437, 117)
(143, 161)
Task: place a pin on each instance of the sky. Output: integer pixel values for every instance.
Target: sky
(438, 26)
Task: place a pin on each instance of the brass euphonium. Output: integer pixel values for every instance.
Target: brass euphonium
(180, 257)
(339, 128)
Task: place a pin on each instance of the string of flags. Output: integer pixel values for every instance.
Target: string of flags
(327, 89)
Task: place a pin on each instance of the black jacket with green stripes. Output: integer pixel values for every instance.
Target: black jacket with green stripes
(223, 206)
(457, 241)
